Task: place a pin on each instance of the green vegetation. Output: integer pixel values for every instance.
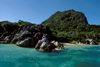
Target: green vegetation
(68, 26)
(6, 26)
(71, 26)
(21, 23)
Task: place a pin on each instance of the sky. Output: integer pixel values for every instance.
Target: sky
(37, 11)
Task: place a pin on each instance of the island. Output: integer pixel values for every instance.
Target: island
(62, 28)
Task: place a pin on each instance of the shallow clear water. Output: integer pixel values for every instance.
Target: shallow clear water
(74, 56)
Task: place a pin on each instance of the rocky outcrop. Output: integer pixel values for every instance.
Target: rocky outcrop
(35, 36)
(91, 42)
(38, 37)
(58, 45)
(45, 45)
(27, 42)
(42, 43)
(29, 35)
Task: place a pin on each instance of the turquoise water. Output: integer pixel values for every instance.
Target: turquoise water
(75, 56)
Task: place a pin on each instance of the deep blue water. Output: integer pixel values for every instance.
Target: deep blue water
(74, 56)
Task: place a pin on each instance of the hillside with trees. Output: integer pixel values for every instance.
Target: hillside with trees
(67, 26)
(72, 26)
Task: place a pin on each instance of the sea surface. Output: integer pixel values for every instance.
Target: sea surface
(71, 56)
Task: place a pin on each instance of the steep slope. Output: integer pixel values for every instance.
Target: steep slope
(72, 26)
(66, 21)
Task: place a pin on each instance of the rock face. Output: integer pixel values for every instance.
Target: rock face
(8, 29)
(29, 35)
(27, 42)
(1, 30)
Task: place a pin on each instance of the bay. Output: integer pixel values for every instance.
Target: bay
(72, 56)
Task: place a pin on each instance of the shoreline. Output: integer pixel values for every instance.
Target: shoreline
(69, 44)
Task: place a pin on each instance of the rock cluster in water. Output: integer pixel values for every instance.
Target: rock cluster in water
(38, 37)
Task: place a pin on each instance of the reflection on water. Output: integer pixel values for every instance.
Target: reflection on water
(76, 56)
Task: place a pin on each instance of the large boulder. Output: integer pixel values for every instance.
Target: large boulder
(50, 48)
(42, 43)
(25, 39)
(58, 45)
(21, 35)
(27, 42)
(45, 45)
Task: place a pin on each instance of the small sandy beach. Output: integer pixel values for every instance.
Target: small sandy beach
(69, 44)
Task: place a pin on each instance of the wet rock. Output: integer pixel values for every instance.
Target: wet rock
(50, 47)
(57, 44)
(42, 43)
(45, 45)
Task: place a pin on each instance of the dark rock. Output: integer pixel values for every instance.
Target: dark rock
(1, 30)
(11, 27)
(24, 43)
(21, 35)
(50, 47)
(45, 45)
(38, 35)
(8, 29)
(6, 39)
(42, 43)
(30, 36)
